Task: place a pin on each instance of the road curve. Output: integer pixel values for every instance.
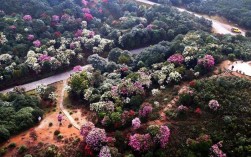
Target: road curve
(218, 26)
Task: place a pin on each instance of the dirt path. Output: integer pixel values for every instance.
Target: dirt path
(65, 111)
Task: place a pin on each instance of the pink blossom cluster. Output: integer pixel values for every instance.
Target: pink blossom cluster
(182, 108)
(30, 37)
(91, 34)
(84, 2)
(37, 43)
(176, 59)
(214, 105)
(207, 61)
(163, 136)
(27, 18)
(105, 152)
(149, 27)
(77, 68)
(12, 27)
(86, 10)
(136, 123)
(43, 58)
(140, 142)
(86, 128)
(96, 138)
(88, 16)
(216, 151)
(78, 33)
(55, 18)
(146, 110)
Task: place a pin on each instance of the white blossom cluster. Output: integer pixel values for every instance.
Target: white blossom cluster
(5, 57)
(174, 76)
(106, 106)
(40, 89)
(52, 96)
(3, 39)
(155, 92)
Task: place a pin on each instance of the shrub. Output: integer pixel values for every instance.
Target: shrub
(50, 124)
(56, 132)
(12, 145)
(22, 149)
(95, 138)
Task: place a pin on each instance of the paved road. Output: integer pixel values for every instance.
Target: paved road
(218, 26)
(48, 80)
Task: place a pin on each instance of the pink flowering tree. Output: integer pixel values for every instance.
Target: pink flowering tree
(163, 136)
(30, 37)
(206, 62)
(37, 43)
(105, 152)
(44, 58)
(88, 16)
(27, 18)
(86, 128)
(216, 150)
(136, 123)
(214, 105)
(140, 142)
(146, 110)
(77, 68)
(176, 59)
(96, 138)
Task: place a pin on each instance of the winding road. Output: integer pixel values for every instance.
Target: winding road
(218, 26)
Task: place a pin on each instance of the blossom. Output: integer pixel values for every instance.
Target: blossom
(216, 151)
(95, 138)
(182, 108)
(27, 18)
(105, 121)
(55, 18)
(84, 2)
(207, 61)
(140, 142)
(155, 92)
(176, 59)
(136, 123)
(43, 58)
(105, 152)
(3, 39)
(30, 37)
(40, 89)
(214, 105)
(145, 110)
(12, 27)
(102, 106)
(78, 68)
(163, 136)
(198, 111)
(86, 128)
(78, 33)
(86, 10)
(174, 76)
(88, 16)
(37, 43)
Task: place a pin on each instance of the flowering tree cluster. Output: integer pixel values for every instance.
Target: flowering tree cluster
(96, 138)
(207, 61)
(214, 105)
(176, 59)
(216, 150)
(145, 110)
(136, 123)
(140, 142)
